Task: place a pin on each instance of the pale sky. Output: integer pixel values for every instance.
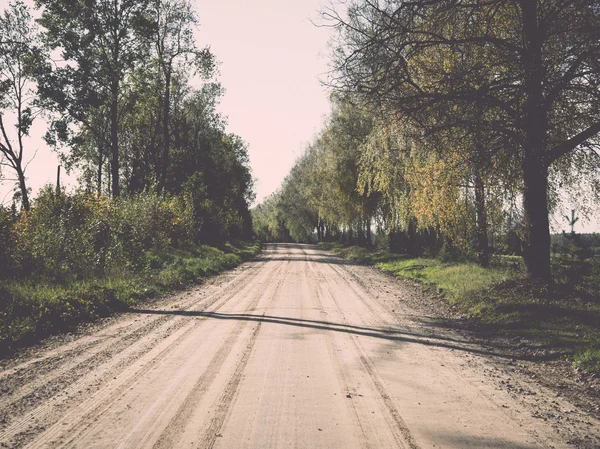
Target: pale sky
(271, 58)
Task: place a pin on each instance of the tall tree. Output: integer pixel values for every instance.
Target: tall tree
(100, 40)
(20, 57)
(174, 39)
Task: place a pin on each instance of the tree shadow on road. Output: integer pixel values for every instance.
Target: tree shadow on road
(380, 333)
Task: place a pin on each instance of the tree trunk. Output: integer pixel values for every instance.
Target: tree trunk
(536, 244)
(165, 156)
(483, 250)
(536, 250)
(319, 231)
(114, 137)
(392, 240)
(100, 163)
(23, 187)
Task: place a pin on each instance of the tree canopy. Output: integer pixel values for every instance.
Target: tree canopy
(475, 107)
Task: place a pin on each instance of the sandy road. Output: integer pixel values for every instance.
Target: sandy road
(295, 349)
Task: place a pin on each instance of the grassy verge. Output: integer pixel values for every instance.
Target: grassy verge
(31, 310)
(562, 320)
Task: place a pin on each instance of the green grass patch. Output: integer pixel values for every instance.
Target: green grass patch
(589, 358)
(563, 319)
(31, 310)
(360, 254)
(457, 282)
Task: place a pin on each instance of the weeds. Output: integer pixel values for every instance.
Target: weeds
(30, 310)
(563, 319)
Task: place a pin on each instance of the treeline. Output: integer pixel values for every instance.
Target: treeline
(130, 100)
(130, 103)
(455, 127)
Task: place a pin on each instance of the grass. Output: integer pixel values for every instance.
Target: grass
(456, 281)
(32, 310)
(563, 319)
(589, 358)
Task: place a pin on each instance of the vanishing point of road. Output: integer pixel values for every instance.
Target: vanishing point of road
(295, 349)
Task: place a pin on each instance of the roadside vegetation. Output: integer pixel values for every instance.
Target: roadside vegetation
(31, 310)
(564, 319)
(164, 191)
(76, 257)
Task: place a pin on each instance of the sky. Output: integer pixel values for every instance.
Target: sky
(271, 60)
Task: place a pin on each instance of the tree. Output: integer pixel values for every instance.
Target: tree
(295, 203)
(175, 22)
(268, 222)
(20, 57)
(100, 40)
(538, 76)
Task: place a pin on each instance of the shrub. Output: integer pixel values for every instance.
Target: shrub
(78, 236)
(7, 219)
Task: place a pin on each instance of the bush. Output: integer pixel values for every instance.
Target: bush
(7, 219)
(30, 310)
(79, 236)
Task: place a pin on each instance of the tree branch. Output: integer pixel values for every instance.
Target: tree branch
(569, 145)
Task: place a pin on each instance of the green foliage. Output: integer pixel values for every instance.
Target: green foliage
(456, 281)
(321, 192)
(79, 236)
(67, 237)
(268, 221)
(30, 310)
(7, 243)
(589, 358)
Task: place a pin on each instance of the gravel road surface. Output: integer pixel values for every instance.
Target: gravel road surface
(298, 349)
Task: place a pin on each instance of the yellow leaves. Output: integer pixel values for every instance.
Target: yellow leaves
(436, 195)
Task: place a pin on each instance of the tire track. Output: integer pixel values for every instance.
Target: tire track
(144, 352)
(400, 430)
(342, 372)
(103, 346)
(180, 420)
(224, 404)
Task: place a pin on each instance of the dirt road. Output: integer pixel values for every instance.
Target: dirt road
(295, 349)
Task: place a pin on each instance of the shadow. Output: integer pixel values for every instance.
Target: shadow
(386, 334)
(317, 259)
(477, 442)
(291, 245)
(540, 312)
(320, 255)
(506, 338)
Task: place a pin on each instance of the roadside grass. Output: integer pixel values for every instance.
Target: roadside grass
(31, 310)
(563, 320)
